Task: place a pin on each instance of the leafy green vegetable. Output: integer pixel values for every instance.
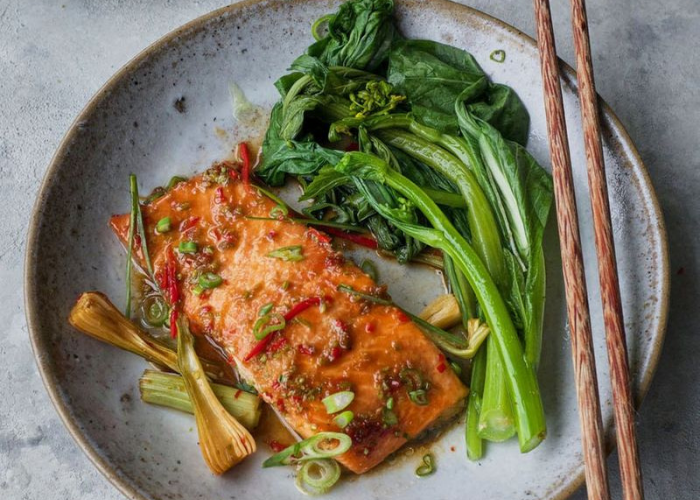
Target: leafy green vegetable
(521, 190)
(433, 76)
(359, 35)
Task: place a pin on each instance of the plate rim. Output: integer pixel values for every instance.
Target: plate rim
(32, 313)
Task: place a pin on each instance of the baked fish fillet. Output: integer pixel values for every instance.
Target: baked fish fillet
(332, 341)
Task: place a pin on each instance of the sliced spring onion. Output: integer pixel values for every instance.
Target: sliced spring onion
(291, 253)
(163, 225)
(389, 417)
(390, 403)
(419, 397)
(130, 251)
(316, 477)
(342, 420)
(411, 378)
(456, 368)
(335, 443)
(141, 230)
(280, 209)
(209, 281)
(498, 56)
(154, 310)
(428, 466)
(197, 290)
(187, 247)
(320, 22)
(338, 401)
(174, 181)
(265, 309)
(370, 269)
(264, 326)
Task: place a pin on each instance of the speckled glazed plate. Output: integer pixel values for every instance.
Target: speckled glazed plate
(134, 125)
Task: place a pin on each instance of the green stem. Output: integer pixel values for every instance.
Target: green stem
(461, 289)
(168, 389)
(535, 295)
(496, 416)
(445, 198)
(521, 380)
(482, 223)
(476, 389)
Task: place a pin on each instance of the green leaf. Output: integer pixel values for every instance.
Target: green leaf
(296, 157)
(503, 109)
(359, 35)
(432, 75)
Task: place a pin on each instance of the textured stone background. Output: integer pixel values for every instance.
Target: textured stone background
(54, 56)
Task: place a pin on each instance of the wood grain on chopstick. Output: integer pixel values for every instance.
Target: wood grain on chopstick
(630, 471)
(572, 262)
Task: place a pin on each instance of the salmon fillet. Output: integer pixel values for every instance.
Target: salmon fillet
(336, 342)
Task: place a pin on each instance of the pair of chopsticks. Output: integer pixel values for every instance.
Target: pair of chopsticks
(574, 277)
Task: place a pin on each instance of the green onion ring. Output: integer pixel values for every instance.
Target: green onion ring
(342, 420)
(338, 401)
(308, 449)
(328, 474)
(314, 27)
(262, 327)
(428, 466)
(210, 280)
(154, 310)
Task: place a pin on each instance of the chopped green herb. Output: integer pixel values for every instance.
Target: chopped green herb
(342, 420)
(264, 326)
(390, 403)
(198, 290)
(187, 247)
(174, 181)
(163, 225)
(288, 254)
(419, 397)
(285, 285)
(210, 280)
(498, 56)
(428, 466)
(266, 309)
(389, 417)
(338, 401)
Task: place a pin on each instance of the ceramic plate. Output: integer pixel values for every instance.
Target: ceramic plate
(168, 112)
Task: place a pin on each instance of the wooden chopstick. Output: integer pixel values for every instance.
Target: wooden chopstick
(630, 471)
(572, 260)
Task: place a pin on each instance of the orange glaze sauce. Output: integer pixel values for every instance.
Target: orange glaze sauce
(341, 343)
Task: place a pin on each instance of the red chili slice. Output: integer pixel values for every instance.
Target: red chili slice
(364, 241)
(173, 323)
(245, 158)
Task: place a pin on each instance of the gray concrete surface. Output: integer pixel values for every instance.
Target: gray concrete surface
(54, 56)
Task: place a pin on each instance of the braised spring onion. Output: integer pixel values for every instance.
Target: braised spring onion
(223, 440)
(168, 389)
(94, 315)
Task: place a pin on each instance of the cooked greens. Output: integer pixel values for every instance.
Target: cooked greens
(410, 140)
